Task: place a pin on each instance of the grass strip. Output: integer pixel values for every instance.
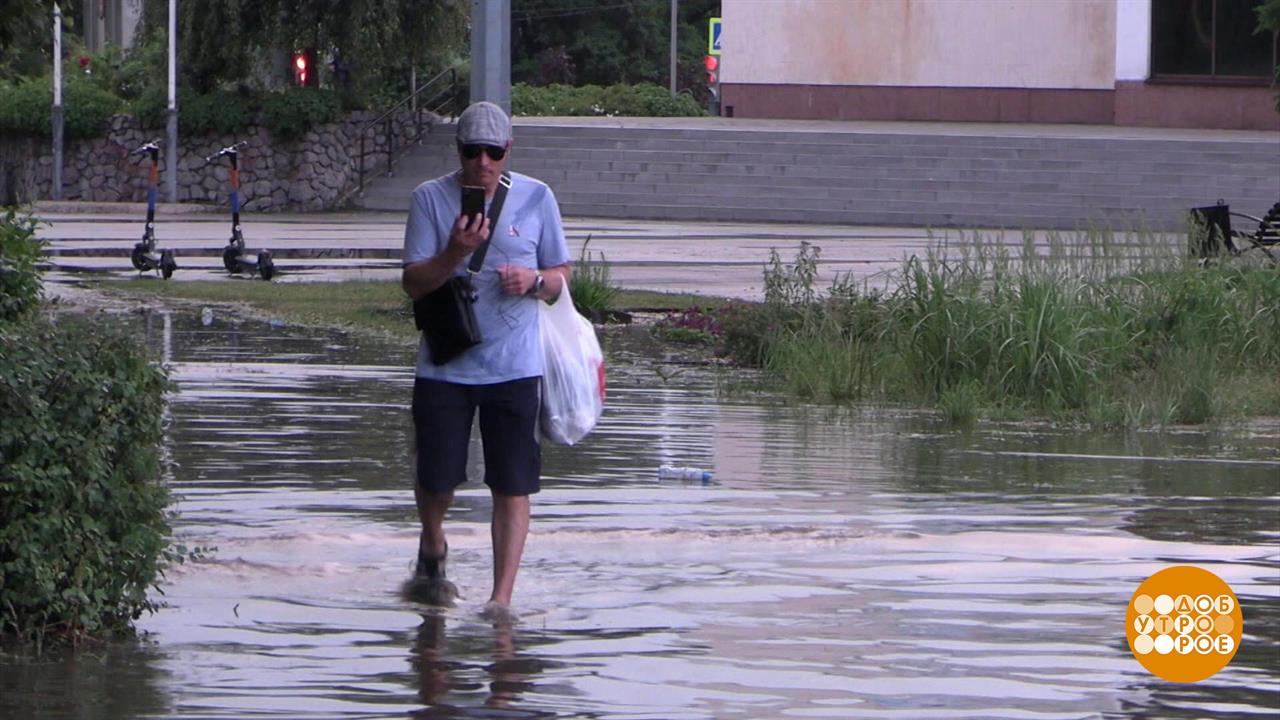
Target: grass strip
(378, 307)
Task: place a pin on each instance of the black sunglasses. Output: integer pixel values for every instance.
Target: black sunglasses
(472, 151)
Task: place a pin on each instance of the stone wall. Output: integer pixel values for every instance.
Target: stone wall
(317, 172)
(19, 168)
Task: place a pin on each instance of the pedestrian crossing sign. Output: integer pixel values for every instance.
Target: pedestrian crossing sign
(713, 36)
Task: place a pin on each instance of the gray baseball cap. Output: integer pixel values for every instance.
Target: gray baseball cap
(484, 123)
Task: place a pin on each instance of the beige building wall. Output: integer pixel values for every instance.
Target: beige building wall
(1065, 44)
(113, 22)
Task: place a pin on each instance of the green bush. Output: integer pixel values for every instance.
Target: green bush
(150, 107)
(552, 100)
(27, 107)
(20, 281)
(83, 524)
(630, 100)
(648, 101)
(144, 66)
(103, 66)
(87, 109)
(291, 113)
(287, 114)
(220, 111)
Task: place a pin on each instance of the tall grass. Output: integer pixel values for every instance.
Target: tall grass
(820, 361)
(591, 286)
(1084, 327)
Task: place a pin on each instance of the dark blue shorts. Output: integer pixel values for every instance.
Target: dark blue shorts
(442, 415)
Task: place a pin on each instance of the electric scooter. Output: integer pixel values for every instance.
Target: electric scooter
(233, 255)
(144, 255)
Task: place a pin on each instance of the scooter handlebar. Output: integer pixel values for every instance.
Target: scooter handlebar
(228, 150)
(145, 148)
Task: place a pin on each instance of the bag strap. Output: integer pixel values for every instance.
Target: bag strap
(495, 209)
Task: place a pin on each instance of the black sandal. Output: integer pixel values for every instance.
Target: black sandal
(430, 568)
(429, 584)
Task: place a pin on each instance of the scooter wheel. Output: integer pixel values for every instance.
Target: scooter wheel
(266, 268)
(139, 257)
(167, 264)
(231, 259)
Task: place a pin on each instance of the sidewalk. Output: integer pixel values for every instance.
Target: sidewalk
(905, 127)
(713, 259)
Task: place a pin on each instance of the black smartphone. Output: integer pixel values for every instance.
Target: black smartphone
(472, 201)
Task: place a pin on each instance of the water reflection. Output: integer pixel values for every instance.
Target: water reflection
(450, 686)
(98, 682)
(846, 563)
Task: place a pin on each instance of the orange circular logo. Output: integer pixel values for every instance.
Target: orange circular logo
(1184, 624)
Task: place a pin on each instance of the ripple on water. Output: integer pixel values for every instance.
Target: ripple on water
(866, 563)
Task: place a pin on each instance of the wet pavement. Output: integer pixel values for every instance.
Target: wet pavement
(865, 562)
(713, 259)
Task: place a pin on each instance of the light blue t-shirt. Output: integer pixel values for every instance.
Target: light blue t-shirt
(529, 233)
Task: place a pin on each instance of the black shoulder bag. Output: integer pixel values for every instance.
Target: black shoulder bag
(447, 315)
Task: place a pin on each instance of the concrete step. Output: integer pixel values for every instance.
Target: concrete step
(887, 215)
(881, 208)
(807, 143)
(952, 175)
(827, 152)
(1154, 153)
(1016, 181)
(1133, 185)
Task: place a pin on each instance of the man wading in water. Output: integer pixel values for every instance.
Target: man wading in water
(527, 260)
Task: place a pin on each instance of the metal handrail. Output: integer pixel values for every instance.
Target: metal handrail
(449, 95)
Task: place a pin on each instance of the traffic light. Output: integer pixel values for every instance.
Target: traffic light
(712, 64)
(304, 73)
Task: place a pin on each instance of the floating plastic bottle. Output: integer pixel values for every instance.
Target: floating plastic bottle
(206, 316)
(668, 472)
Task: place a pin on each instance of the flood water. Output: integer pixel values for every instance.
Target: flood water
(843, 563)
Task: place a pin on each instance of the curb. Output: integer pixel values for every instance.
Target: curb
(71, 207)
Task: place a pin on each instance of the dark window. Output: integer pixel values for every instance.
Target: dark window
(1210, 39)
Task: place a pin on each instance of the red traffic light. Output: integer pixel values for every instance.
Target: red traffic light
(303, 74)
(710, 62)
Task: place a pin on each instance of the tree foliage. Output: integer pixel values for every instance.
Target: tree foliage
(607, 43)
(1269, 16)
(366, 48)
(26, 35)
(373, 41)
(1269, 21)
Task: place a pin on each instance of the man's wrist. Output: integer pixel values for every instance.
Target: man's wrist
(539, 283)
(454, 255)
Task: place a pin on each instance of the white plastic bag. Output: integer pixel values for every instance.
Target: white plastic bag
(573, 372)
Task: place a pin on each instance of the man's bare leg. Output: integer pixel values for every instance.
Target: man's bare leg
(429, 584)
(510, 527)
(431, 510)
